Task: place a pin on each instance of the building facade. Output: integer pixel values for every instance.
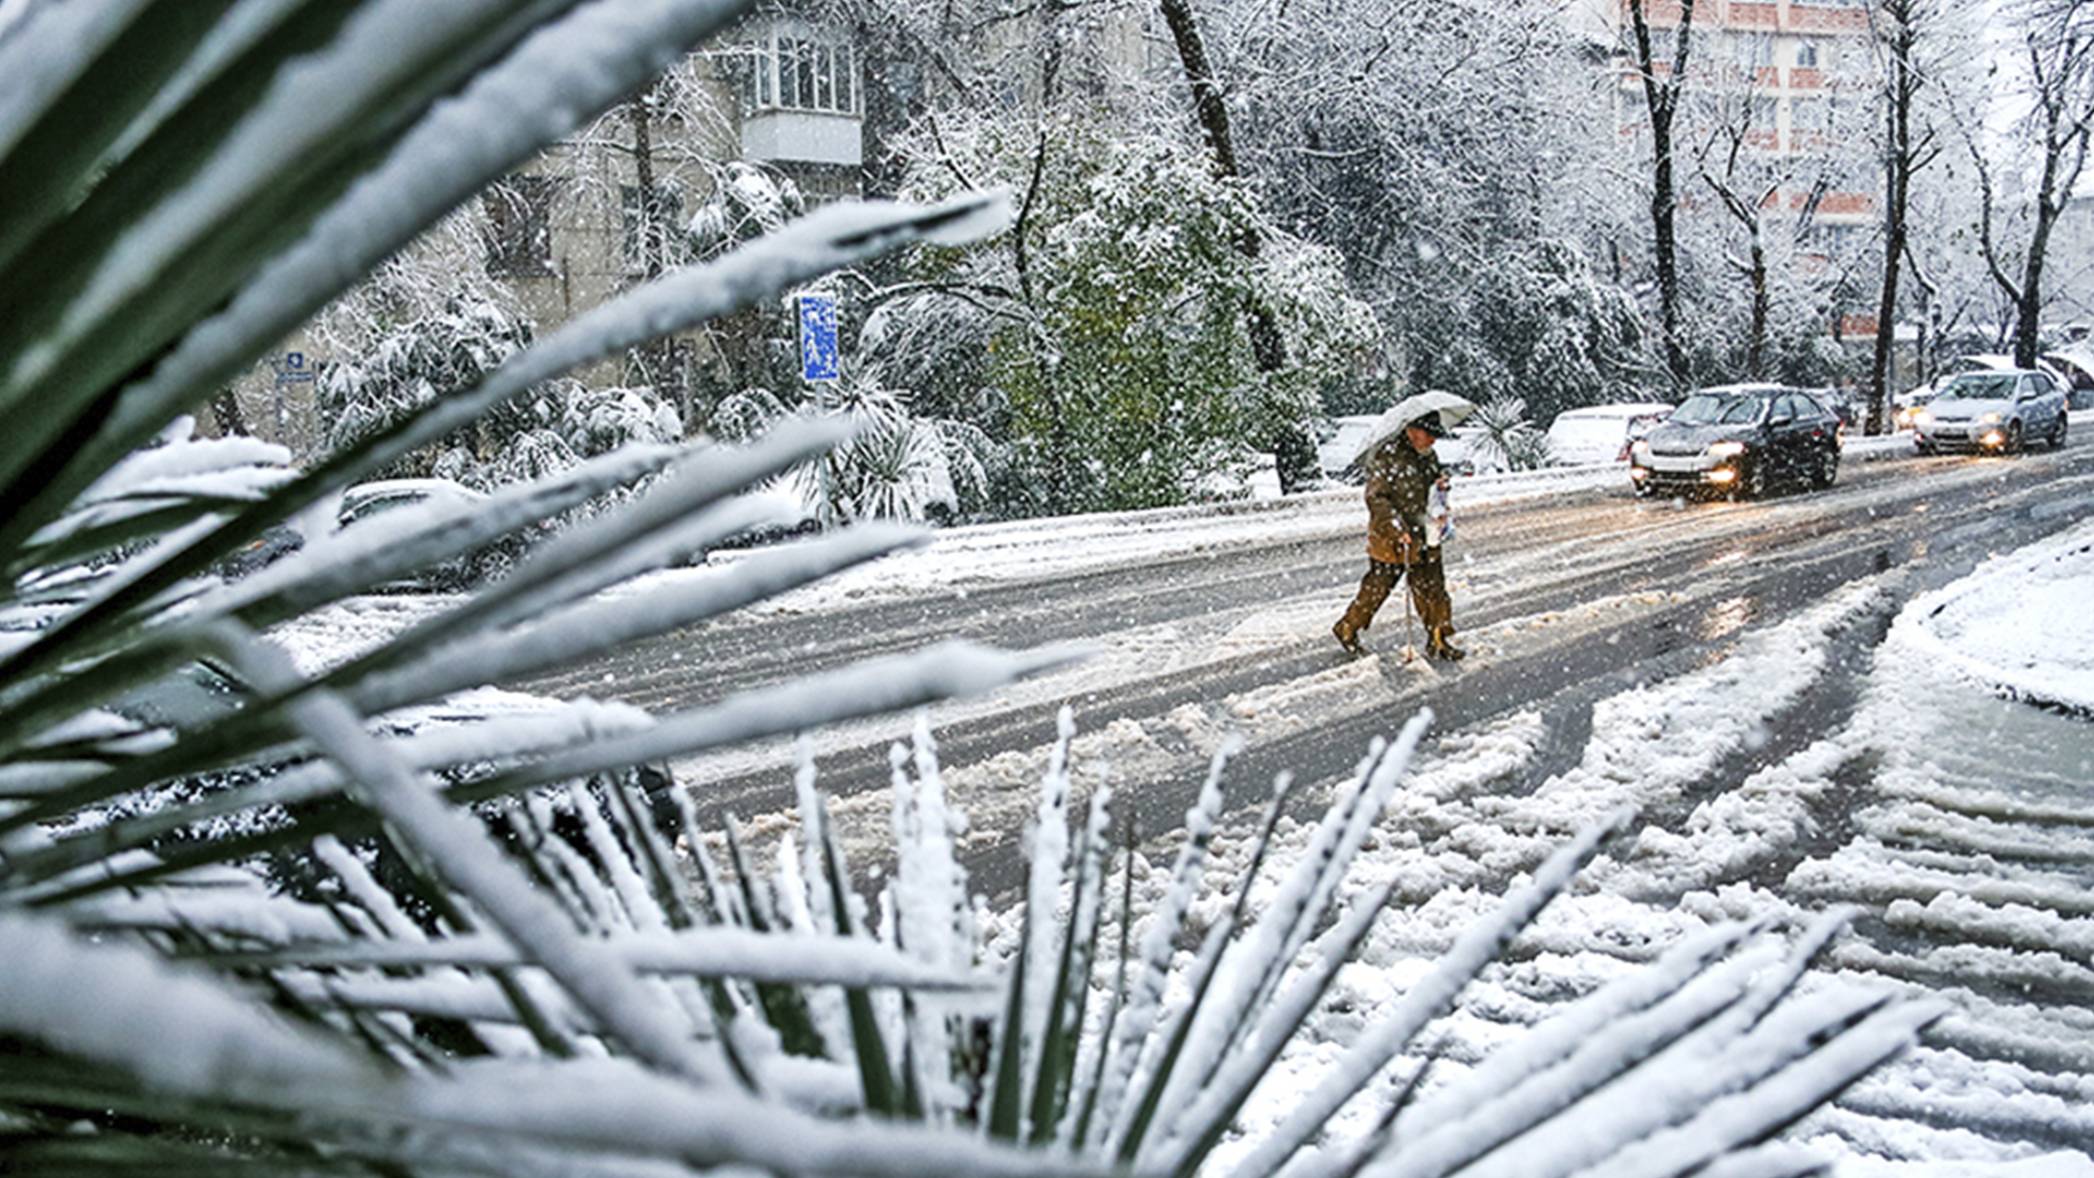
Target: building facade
(729, 143)
(1794, 82)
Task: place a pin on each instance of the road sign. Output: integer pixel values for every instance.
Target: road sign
(818, 350)
(293, 370)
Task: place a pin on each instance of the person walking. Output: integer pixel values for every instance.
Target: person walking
(1403, 540)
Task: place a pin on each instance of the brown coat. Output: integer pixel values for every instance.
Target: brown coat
(1399, 485)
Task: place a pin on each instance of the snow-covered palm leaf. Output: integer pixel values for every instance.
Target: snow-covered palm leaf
(1715, 1034)
(217, 184)
(1505, 439)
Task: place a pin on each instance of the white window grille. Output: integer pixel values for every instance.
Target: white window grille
(799, 70)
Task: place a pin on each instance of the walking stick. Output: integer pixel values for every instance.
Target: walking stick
(1410, 630)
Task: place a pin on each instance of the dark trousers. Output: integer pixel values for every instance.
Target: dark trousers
(1428, 578)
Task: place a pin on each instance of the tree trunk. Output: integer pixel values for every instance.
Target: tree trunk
(655, 359)
(226, 415)
(644, 203)
(1898, 164)
(1661, 99)
(1292, 447)
(1762, 298)
(1664, 204)
(2028, 319)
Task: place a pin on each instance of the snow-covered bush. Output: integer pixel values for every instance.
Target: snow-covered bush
(430, 321)
(1543, 328)
(1115, 325)
(165, 1013)
(896, 466)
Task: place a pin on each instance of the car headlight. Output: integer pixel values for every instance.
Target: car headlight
(1640, 451)
(1921, 417)
(1990, 419)
(1725, 449)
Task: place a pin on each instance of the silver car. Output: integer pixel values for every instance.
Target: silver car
(1992, 412)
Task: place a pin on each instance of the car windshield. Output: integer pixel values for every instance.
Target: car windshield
(1980, 387)
(1719, 409)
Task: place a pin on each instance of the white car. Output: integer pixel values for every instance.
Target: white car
(1336, 452)
(362, 506)
(1602, 433)
(1462, 454)
(1907, 404)
(1993, 412)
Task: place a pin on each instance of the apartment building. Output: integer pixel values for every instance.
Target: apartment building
(773, 114)
(1796, 80)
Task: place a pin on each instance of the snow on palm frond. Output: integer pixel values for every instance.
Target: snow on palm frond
(1505, 439)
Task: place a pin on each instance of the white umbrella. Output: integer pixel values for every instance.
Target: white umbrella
(1449, 409)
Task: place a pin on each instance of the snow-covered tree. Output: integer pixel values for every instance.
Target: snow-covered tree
(427, 323)
(1547, 330)
(2027, 178)
(1114, 315)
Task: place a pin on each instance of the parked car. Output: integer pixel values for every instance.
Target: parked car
(1993, 411)
(1602, 433)
(276, 542)
(1341, 444)
(2075, 363)
(365, 503)
(1459, 453)
(1845, 403)
(1739, 440)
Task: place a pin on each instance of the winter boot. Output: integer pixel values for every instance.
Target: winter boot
(1439, 648)
(1348, 636)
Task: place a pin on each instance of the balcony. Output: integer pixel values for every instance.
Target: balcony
(803, 137)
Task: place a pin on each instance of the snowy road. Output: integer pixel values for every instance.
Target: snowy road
(1734, 670)
(1562, 604)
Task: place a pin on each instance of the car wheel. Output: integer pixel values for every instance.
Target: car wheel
(1828, 471)
(2014, 445)
(1755, 483)
(2057, 433)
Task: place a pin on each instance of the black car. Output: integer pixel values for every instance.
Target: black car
(1741, 440)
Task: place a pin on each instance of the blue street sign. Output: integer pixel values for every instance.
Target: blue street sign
(818, 351)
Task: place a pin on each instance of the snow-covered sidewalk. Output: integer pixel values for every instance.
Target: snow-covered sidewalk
(2022, 624)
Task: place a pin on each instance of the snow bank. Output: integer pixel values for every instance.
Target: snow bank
(1865, 449)
(2019, 624)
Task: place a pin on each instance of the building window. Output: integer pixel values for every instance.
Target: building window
(1808, 117)
(520, 226)
(1807, 55)
(800, 71)
(1753, 49)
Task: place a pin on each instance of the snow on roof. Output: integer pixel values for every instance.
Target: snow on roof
(1617, 409)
